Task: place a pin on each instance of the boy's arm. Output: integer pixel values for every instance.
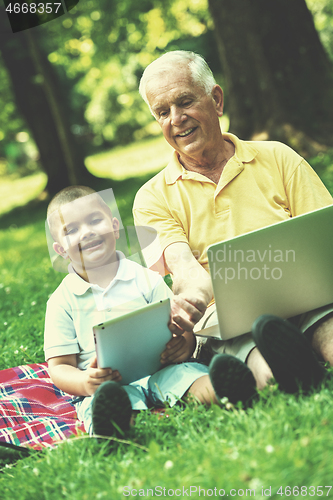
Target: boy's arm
(69, 378)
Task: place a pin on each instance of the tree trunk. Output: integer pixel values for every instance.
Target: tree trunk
(39, 99)
(279, 80)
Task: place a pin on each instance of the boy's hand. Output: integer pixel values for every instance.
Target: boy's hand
(95, 376)
(178, 349)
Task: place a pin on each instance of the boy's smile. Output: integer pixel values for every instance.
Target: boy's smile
(92, 245)
(87, 234)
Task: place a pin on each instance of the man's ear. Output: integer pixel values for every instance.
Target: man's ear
(115, 225)
(60, 250)
(217, 94)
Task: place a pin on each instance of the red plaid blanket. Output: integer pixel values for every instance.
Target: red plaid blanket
(33, 411)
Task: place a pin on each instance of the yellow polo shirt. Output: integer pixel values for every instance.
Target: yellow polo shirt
(263, 183)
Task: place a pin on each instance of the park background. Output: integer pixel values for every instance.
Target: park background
(70, 113)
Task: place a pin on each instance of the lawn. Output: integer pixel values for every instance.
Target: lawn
(281, 447)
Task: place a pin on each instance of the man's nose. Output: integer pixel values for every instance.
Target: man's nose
(177, 116)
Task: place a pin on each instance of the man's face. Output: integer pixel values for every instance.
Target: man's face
(187, 115)
(86, 233)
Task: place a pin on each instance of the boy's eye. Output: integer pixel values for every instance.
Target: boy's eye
(72, 230)
(96, 221)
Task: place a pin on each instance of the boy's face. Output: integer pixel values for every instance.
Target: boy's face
(86, 233)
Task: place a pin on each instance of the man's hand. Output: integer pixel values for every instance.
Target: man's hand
(192, 287)
(95, 376)
(178, 349)
(186, 311)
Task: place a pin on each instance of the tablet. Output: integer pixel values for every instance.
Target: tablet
(134, 342)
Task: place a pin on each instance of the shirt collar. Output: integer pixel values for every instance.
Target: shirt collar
(174, 170)
(126, 269)
(79, 286)
(245, 152)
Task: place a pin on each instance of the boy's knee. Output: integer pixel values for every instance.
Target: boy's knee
(202, 390)
(260, 369)
(322, 339)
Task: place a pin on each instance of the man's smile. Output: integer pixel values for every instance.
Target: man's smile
(186, 132)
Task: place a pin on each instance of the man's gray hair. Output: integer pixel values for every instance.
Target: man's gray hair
(200, 71)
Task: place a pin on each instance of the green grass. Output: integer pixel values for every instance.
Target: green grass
(282, 441)
(16, 191)
(145, 157)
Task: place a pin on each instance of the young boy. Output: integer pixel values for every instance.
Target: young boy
(102, 284)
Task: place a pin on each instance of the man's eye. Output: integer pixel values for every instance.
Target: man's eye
(163, 114)
(187, 103)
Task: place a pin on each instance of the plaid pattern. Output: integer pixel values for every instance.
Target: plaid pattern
(33, 411)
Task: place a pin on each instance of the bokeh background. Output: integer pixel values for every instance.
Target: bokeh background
(69, 102)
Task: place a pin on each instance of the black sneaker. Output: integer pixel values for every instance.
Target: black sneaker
(111, 410)
(288, 353)
(231, 378)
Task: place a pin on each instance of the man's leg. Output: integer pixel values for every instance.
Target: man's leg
(316, 325)
(243, 348)
(322, 339)
(288, 353)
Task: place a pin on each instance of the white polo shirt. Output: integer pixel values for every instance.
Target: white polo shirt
(76, 306)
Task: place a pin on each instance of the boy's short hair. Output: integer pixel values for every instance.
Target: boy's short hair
(66, 195)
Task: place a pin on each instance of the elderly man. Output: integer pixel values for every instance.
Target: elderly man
(217, 187)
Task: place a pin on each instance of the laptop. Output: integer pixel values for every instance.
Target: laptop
(284, 269)
(132, 343)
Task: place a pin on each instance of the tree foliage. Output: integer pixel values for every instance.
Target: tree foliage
(322, 11)
(98, 52)
(279, 78)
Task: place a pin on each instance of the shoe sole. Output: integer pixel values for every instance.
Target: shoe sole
(111, 410)
(231, 378)
(288, 354)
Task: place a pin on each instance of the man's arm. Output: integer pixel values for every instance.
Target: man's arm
(305, 190)
(191, 285)
(67, 377)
